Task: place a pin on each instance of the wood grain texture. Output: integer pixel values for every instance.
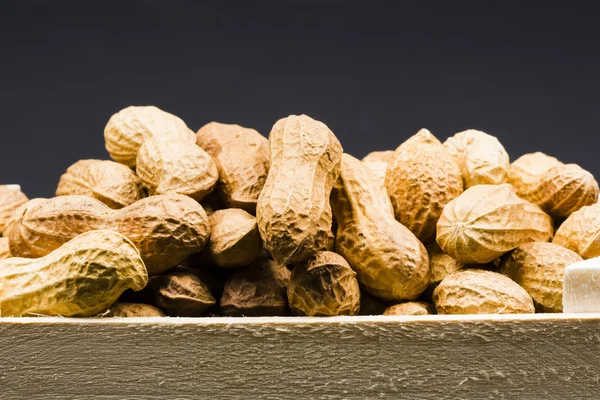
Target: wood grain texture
(425, 357)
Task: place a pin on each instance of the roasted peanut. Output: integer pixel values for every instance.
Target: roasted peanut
(581, 232)
(410, 308)
(11, 198)
(133, 310)
(440, 264)
(182, 293)
(386, 156)
(526, 172)
(293, 212)
(81, 278)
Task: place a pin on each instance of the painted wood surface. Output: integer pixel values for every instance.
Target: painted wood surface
(429, 357)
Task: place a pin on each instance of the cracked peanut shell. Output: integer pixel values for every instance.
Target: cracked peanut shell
(293, 211)
(581, 232)
(324, 285)
(260, 290)
(480, 157)
(539, 268)
(112, 183)
(242, 159)
(166, 229)
(81, 278)
(487, 221)
(410, 308)
(525, 173)
(168, 165)
(133, 310)
(476, 291)
(128, 129)
(11, 198)
(390, 262)
(421, 180)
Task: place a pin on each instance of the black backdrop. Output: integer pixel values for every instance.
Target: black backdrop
(374, 71)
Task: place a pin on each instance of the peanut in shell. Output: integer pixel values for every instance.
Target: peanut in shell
(581, 232)
(410, 308)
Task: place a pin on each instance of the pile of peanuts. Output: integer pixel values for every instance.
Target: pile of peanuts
(225, 222)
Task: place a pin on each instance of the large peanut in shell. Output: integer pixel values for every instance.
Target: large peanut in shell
(581, 232)
(11, 198)
(166, 229)
(242, 159)
(563, 189)
(487, 221)
(481, 158)
(112, 183)
(390, 262)
(81, 278)
(475, 291)
(539, 268)
(526, 172)
(293, 212)
(169, 165)
(421, 180)
(128, 129)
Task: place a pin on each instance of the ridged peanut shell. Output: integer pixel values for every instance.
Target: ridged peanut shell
(112, 183)
(487, 221)
(410, 308)
(242, 159)
(173, 166)
(480, 157)
(257, 291)
(526, 172)
(324, 285)
(476, 291)
(166, 229)
(11, 198)
(183, 293)
(134, 310)
(81, 278)
(128, 129)
(581, 232)
(421, 180)
(440, 264)
(564, 189)
(386, 156)
(389, 260)
(234, 239)
(293, 211)
(16, 216)
(539, 268)
(4, 249)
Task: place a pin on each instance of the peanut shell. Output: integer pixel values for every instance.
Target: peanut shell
(4, 249)
(475, 291)
(242, 159)
(526, 172)
(410, 308)
(324, 285)
(257, 291)
(421, 180)
(11, 198)
(480, 157)
(581, 232)
(379, 169)
(166, 229)
(134, 310)
(128, 129)
(390, 262)
(386, 156)
(487, 221)
(293, 212)
(81, 278)
(18, 213)
(112, 183)
(539, 268)
(182, 293)
(440, 264)
(168, 165)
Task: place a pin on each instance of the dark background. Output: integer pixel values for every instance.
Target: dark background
(375, 72)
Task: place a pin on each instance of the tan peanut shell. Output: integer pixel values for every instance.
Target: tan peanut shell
(133, 310)
(476, 291)
(581, 232)
(386, 156)
(379, 169)
(4, 249)
(324, 285)
(81, 278)
(440, 264)
(257, 291)
(166, 229)
(487, 221)
(390, 262)
(410, 308)
(564, 189)
(183, 293)
(11, 198)
(234, 239)
(421, 180)
(18, 213)
(168, 165)
(293, 212)
(128, 129)
(112, 183)
(481, 158)
(539, 268)
(242, 159)
(525, 173)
